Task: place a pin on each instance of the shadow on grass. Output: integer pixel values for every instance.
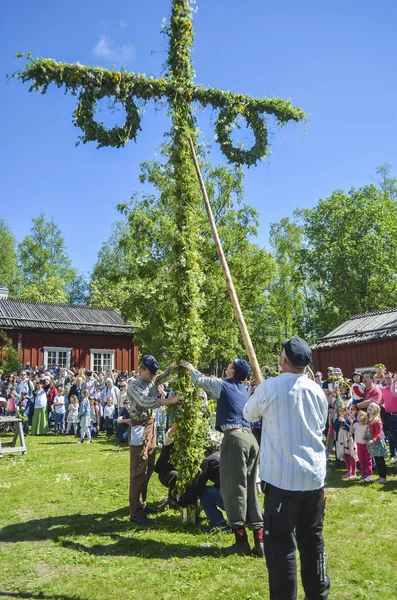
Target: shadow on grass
(39, 596)
(144, 548)
(114, 526)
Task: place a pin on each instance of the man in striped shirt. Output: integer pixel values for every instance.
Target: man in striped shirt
(294, 411)
(142, 393)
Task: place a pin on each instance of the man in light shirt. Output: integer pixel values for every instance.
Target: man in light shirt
(294, 411)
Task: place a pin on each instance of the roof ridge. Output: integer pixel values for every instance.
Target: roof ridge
(372, 313)
(67, 304)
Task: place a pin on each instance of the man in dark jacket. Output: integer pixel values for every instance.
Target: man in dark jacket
(239, 454)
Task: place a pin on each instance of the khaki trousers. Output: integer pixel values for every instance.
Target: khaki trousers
(238, 473)
(142, 460)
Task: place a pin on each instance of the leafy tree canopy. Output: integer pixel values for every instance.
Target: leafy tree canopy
(45, 267)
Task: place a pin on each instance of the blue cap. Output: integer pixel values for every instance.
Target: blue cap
(150, 363)
(297, 351)
(242, 369)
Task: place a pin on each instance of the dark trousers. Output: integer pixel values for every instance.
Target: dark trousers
(381, 466)
(292, 518)
(142, 460)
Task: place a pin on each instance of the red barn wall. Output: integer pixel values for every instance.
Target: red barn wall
(355, 356)
(31, 347)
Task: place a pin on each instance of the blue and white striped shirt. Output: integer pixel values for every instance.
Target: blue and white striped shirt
(294, 412)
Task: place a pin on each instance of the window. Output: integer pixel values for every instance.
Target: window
(57, 356)
(101, 360)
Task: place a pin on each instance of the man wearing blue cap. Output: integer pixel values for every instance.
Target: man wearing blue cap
(142, 393)
(239, 454)
(294, 412)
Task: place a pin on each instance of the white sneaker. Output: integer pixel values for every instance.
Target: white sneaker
(393, 459)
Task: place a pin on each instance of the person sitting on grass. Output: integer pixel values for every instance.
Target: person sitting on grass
(209, 495)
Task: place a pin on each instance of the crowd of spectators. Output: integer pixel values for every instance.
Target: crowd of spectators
(362, 419)
(67, 402)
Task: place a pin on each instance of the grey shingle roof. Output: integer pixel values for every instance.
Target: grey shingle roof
(17, 314)
(361, 328)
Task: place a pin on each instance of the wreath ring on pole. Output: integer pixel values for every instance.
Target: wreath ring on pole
(256, 121)
(94, 130)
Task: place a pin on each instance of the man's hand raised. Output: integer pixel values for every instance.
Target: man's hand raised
(172, 399)
(186, 364)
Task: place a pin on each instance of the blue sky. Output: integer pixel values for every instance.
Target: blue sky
(336, 60)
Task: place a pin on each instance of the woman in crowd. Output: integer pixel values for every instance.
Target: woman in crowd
(40, 417)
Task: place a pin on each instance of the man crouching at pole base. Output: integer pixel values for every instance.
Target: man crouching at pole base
(292, 469)
(239, 455)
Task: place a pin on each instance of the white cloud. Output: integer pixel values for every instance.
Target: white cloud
(106, 49)
(122, 24)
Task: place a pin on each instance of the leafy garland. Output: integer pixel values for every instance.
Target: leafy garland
(94, 83)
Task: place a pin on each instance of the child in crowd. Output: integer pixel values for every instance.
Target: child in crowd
(98, 414)
(108, 416)
(376, 444)
(94, 415)
(84, 417)
(12, 403)
(358, 388)
(20, 413)
(59, 411)
(359, 428)
(72, 418)
(345, 446)
(23, 412)
(3, 407)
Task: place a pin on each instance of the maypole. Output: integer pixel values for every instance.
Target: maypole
(132, 90)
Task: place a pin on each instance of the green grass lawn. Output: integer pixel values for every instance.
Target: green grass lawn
(65, 533)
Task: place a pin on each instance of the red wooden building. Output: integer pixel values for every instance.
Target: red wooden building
(69, 336)
(359, 343)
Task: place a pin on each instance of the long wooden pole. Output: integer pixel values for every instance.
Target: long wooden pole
(230, 285)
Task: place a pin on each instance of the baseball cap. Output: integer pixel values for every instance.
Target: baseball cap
(298, 351)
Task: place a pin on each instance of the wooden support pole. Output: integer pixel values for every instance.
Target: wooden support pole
(230, 285)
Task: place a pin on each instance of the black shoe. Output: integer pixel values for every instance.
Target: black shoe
(237, 548)
(141, 520)
(258, 550)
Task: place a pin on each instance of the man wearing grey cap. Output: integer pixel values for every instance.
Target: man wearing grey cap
(239, 455)
(294, 411)
(142, 393)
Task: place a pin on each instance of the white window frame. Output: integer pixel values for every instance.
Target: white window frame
(57, 349)
(101, 351)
